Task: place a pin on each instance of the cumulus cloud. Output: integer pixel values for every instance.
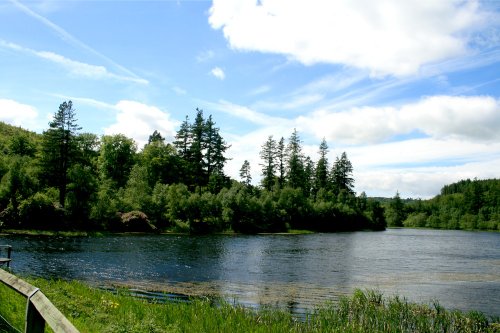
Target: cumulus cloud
(18, 114)
(466, 117)
(139, 121)
(385, 37)
(218, 73)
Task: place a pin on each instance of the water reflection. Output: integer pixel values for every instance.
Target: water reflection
(460, 269)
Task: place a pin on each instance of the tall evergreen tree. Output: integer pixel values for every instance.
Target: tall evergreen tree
(268, 155)
(183, 138)
(245, 175)
(342, 175)
(59, 148)
(321, 173)
(295, 162)
(281, 163)
(199, 138)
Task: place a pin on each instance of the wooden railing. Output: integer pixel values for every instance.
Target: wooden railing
(39, 310)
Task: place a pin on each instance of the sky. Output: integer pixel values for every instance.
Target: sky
(410, 90)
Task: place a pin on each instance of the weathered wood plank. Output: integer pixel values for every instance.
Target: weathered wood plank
(40, 309)
(34, 320)
(53, 317)
(16, 283)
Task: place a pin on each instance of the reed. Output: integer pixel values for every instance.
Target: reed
(95, 310)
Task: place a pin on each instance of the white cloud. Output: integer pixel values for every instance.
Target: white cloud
(246, 113)
(385, 37)
(260, 90)
(179, 91)
(218, 73)
(473, 118)
(139, 121)
(18, 114)
(205, 56)
(74, 67)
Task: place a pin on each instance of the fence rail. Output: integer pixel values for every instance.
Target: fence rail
(39, 309)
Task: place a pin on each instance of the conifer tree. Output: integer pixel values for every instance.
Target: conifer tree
(321, 172)
(59, 148)
(268, 155)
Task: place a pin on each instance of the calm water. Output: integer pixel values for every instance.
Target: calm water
(459, 269)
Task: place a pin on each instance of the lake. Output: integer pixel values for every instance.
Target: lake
(459, 269)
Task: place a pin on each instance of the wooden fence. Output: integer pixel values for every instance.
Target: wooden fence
(39, 310)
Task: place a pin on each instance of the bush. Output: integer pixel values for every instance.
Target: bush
(135, 221)
(41, 211)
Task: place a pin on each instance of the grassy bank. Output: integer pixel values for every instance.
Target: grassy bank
(94, 310)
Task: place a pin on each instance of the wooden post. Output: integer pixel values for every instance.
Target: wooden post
(34, 320)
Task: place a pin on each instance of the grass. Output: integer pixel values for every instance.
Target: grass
(95, 310)
(30, 232)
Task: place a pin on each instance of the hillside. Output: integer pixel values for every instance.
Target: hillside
(467, 205)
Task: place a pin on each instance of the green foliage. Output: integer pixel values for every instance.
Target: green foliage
(466, 205)
(116, 158)
(178, 186)
(42, 211)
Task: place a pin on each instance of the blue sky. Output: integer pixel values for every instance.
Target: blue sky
(410, 90)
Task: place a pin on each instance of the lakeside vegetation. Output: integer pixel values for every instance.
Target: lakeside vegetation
(65, 179)
(465, 205)
(95, 310)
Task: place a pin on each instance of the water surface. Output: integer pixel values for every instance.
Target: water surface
(459, 269)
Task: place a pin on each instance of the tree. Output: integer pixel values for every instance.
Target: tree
(116, 158)
(342, 175)
(268, 154)
(183, 139)
(321, 173)
(59, 148)
(162, 163)
(155, 137)
(395, 213)
(245, 175)
(295, 163)
(22, 144)
(281, 157)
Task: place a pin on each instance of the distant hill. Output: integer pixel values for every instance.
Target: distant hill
(9, 132)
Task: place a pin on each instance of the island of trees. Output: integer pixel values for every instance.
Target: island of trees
(68, 179)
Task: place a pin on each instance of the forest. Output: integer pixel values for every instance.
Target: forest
(68, 179)
(465, 205)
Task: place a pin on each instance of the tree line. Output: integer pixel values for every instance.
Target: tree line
(69, 179)
(464, 205)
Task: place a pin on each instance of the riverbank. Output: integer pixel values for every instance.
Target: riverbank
(96, 310)
(76, 233)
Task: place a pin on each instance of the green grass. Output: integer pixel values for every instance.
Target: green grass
(95, 310)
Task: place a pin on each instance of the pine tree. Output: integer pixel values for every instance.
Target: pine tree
(245, 175)
(268, 155)
(281, 156)
(295, 163)
(321, 174)
(59, 148)
(342, 175)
